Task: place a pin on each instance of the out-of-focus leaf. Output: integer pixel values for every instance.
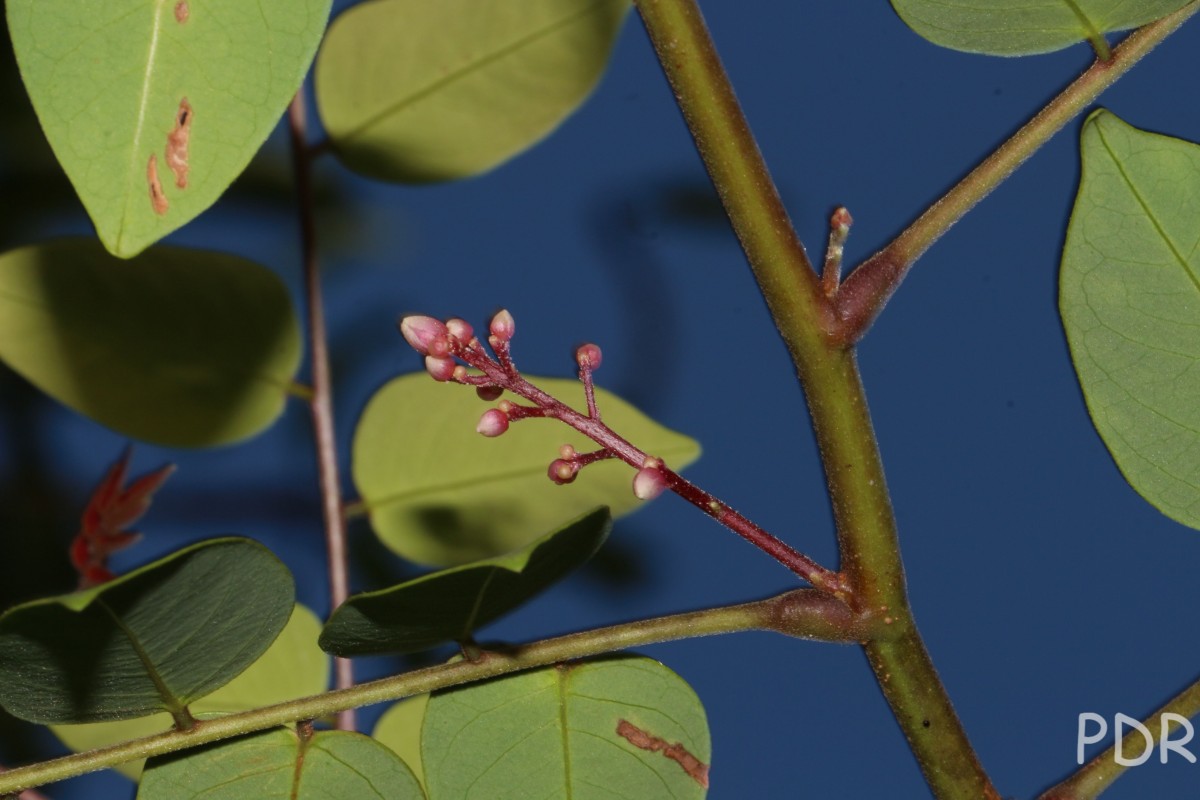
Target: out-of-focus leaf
(292, 667)
(400, 729)
(278, 765)
(449, 605)
(154, 108)
(415, 91)
(1023, 27)
(1130, 302)
(183, 348)
(617, 728)
(439, 493)
(153, 640)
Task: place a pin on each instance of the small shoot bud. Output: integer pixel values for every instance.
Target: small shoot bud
(489, 393)
(420, 332)
(493, 423)
(502, 325)
(442, 369)
(567, 452)
(649, 482)
(588, 356)
(562, 471)
(460, 329)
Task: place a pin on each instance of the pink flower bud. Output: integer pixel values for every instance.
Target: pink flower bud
(502, 325)
(588, 355)
(442, 369)
(489, 393)
(649, 483)
(460, 329)
(420, 332)
(562, 471)
(493, 423)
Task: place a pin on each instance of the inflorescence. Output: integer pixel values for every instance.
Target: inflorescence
(453, 353)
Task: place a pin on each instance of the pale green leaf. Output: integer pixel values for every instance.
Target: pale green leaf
(416, 91)
(1023, 27)
(439, 493)
(183, 348)
(186, 89)
(154, 640)
(615, 729)
(292, 667)
(1130, 302)
(400, 729)
(451, 604)
(277, 765)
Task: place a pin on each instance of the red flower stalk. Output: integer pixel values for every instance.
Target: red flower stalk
(445, 345)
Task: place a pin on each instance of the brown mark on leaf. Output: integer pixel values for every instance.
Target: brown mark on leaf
(181, 11)
(157, 199)
(696, 769)
(177, 143)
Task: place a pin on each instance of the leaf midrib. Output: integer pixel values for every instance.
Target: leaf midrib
(466, 70)
(170, 702)
(1146, 209)
(370, 505)
(140, 125)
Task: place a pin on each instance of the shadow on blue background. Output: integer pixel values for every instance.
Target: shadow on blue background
(1044, 586)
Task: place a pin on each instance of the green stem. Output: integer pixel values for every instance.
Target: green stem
(804, 613)
(868, 288)
(841, 420)
(1099, 773)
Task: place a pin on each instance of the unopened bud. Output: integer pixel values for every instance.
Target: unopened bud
(567, 452)
(488, 393)
(588, 355)
(493, 423)
(649, 483)
(562, 471)
(460, 329)
(502, 325)
(421, 332)
(442, 369)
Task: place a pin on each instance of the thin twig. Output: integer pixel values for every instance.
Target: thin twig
(321, 403)
(867, 289)
(1098, 774)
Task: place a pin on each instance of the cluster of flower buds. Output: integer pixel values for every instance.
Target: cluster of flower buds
(446, 344)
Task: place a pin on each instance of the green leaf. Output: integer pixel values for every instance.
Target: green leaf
(1130, 302)
(153, 640)
(179, 347)
(277, 765)
(439, 493)
(292, 667)
(177, 93)
(618, 728)
(1023, 27)
(449, 605)
(400, 729)
(415, 91)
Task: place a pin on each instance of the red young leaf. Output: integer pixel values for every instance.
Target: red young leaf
(111, 510)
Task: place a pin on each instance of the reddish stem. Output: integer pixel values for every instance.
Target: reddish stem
(501, 372)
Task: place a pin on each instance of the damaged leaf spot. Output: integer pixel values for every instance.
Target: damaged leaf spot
(177, 143)
(181, 11)
(157, 199)
(694, 767)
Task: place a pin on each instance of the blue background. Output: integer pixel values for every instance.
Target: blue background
(1044, 586)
